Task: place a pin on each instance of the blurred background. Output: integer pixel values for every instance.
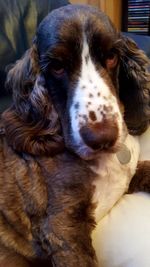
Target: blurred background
(127, 15)
(113, 8)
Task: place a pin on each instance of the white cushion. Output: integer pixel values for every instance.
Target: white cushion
(122, 238)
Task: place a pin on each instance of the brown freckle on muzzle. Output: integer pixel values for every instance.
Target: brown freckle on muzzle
(76, 106)
(88, 104)
(107, 109)
(92, 115)
(90, 95)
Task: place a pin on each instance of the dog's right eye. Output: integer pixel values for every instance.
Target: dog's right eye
(57, 68)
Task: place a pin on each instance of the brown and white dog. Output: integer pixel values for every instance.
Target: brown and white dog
(65, 153)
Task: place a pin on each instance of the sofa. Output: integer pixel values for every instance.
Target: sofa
(122, 238)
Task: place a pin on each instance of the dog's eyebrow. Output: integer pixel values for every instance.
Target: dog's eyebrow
(62, 51)
(44, 62)
(58, 52)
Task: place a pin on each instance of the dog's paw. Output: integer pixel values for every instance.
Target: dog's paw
(141, 179)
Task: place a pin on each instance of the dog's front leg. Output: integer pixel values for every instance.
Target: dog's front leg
(141, 179)
(67, 242)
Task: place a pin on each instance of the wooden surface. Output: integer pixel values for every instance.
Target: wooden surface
(111, 7)
(89, 2)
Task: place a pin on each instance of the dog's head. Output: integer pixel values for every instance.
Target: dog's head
(81, 73)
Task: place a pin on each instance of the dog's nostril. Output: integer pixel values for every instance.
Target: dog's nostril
(101, 135)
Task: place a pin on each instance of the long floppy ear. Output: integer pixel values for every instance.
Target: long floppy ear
(134, 85)
(31, 124)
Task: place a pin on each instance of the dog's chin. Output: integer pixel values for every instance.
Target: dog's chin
(86, 153)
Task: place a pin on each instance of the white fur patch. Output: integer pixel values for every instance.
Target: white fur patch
(91, 94)
(113, 178)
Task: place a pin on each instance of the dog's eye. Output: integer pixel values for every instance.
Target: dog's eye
(57, 68)
(111, 60)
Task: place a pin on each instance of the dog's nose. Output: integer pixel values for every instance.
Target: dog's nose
(100, 135)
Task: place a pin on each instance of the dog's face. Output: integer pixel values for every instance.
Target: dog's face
(79, 70)
(76, 47)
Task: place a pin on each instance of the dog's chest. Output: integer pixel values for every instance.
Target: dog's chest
(112, 179)
(110, 184)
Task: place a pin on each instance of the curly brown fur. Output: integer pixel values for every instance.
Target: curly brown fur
(134, 84)
(32, 119)
(45, 213)
(41, 138)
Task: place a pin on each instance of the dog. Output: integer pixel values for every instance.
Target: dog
(68, 147)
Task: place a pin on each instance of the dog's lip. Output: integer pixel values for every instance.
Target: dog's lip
(87, 153)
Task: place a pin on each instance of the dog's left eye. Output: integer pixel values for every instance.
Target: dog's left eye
(57, 68)
(111, 60)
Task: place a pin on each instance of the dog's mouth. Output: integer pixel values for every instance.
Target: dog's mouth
(89, 146)
(91, 150)
(87, 153)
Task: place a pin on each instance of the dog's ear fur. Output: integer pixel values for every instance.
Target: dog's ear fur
(32, 124)
(134, 85)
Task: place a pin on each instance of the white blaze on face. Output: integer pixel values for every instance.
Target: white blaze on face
(91, 94)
